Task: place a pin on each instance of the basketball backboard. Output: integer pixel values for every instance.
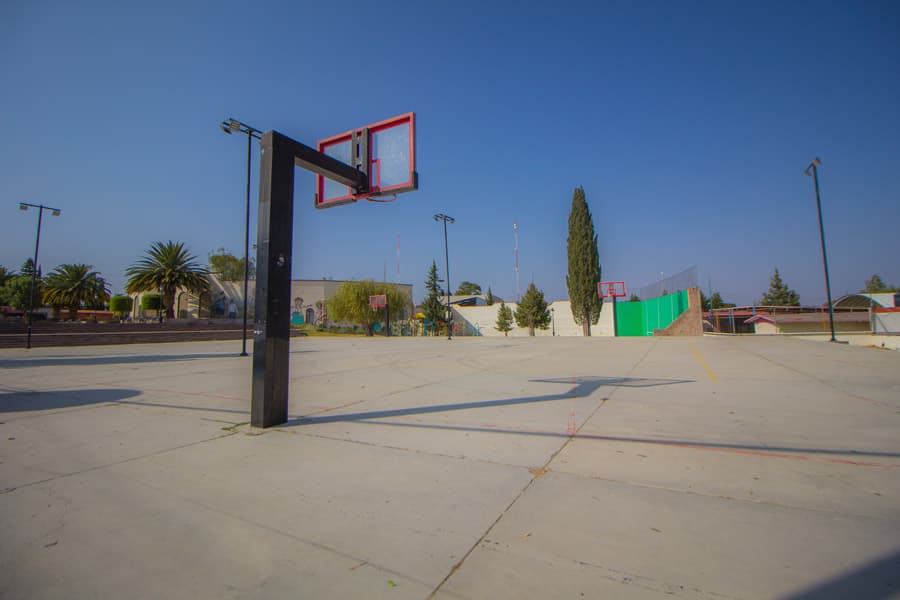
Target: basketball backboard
(386, 151)
(611, 289)
(377, 301)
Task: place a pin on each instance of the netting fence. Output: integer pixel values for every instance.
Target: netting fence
(669, 285)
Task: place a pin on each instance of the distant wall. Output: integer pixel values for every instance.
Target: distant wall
(886, 321)
(482, 320)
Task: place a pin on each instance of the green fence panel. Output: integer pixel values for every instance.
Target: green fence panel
(642, 318)
(629, 318)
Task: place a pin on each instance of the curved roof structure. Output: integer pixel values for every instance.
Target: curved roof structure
(862, 300)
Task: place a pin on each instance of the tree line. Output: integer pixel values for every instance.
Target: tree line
(165, 267)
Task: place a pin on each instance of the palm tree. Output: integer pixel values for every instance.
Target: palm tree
(75, 286)
(166, 267)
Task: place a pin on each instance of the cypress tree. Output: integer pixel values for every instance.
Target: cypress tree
(584, 264)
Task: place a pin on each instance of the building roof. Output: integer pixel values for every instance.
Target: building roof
(865, 300)
(816, 317)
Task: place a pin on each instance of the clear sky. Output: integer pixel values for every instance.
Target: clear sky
(689, 124)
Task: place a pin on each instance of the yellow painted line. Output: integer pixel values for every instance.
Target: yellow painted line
(703, 364)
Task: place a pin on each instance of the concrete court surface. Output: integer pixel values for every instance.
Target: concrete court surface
(473, 468)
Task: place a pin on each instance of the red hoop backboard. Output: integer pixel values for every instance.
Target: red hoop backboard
(387, 148)
(611, 289)
(378, 301)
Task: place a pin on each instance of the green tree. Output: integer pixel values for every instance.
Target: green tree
(151, 302)
(5, 275)
(227, 267)
(504, 319)
(715, 301)
(350, 303)
(74, 287)
(467, 288)
(584, 264)
(489, 298)
(167, 267)
(28, 268)
(432, 307)
(875, 285)
(121, 305)
(17, 290)
(532, 311)
(634, 298)
(779, 293)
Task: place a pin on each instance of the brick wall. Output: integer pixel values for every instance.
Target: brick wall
(690, 322)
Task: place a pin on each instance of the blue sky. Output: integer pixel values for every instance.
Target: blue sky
(689, 125)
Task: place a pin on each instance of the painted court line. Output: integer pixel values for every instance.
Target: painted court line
(703, 364)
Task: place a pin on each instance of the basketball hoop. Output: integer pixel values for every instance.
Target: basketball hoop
(386, 200)
(611, 289)
(377, 301)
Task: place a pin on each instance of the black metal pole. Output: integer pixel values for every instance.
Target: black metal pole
(447, 265)
(815, 171)
(615, 320)
(246, 248)
(279, 155)
(37, 243)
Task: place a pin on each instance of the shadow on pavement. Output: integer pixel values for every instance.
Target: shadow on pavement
(583, 387)
(737, 448)
(70, 361)
(50, 400)
(874, 580)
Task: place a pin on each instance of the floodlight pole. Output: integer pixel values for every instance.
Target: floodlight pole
(34, 268)
(279, 156)
(445, 218)
(229, 126)
(814, 166)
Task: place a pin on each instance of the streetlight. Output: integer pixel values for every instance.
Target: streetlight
(37, 242)
(814, 166)
(446, 219)
(230, 126)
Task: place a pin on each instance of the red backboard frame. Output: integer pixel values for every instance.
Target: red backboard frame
(378, 301)
(375, 190)
(611, 289)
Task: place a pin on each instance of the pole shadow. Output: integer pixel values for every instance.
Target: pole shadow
(582, 388)
(746, 448)
(874, 580)
(67, 361)
(56, 399)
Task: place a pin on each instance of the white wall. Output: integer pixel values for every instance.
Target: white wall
(886, 322)
(484, 319)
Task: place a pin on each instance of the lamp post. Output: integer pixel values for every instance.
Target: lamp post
(446, 219)
(814, 167)
(230, 126)
(34, 268)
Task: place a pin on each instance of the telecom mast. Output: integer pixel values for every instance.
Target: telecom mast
(516, 236)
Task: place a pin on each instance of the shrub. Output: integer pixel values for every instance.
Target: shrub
(151, 301)
(121, 305)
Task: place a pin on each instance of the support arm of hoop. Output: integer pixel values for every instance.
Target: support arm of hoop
(313, 160)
